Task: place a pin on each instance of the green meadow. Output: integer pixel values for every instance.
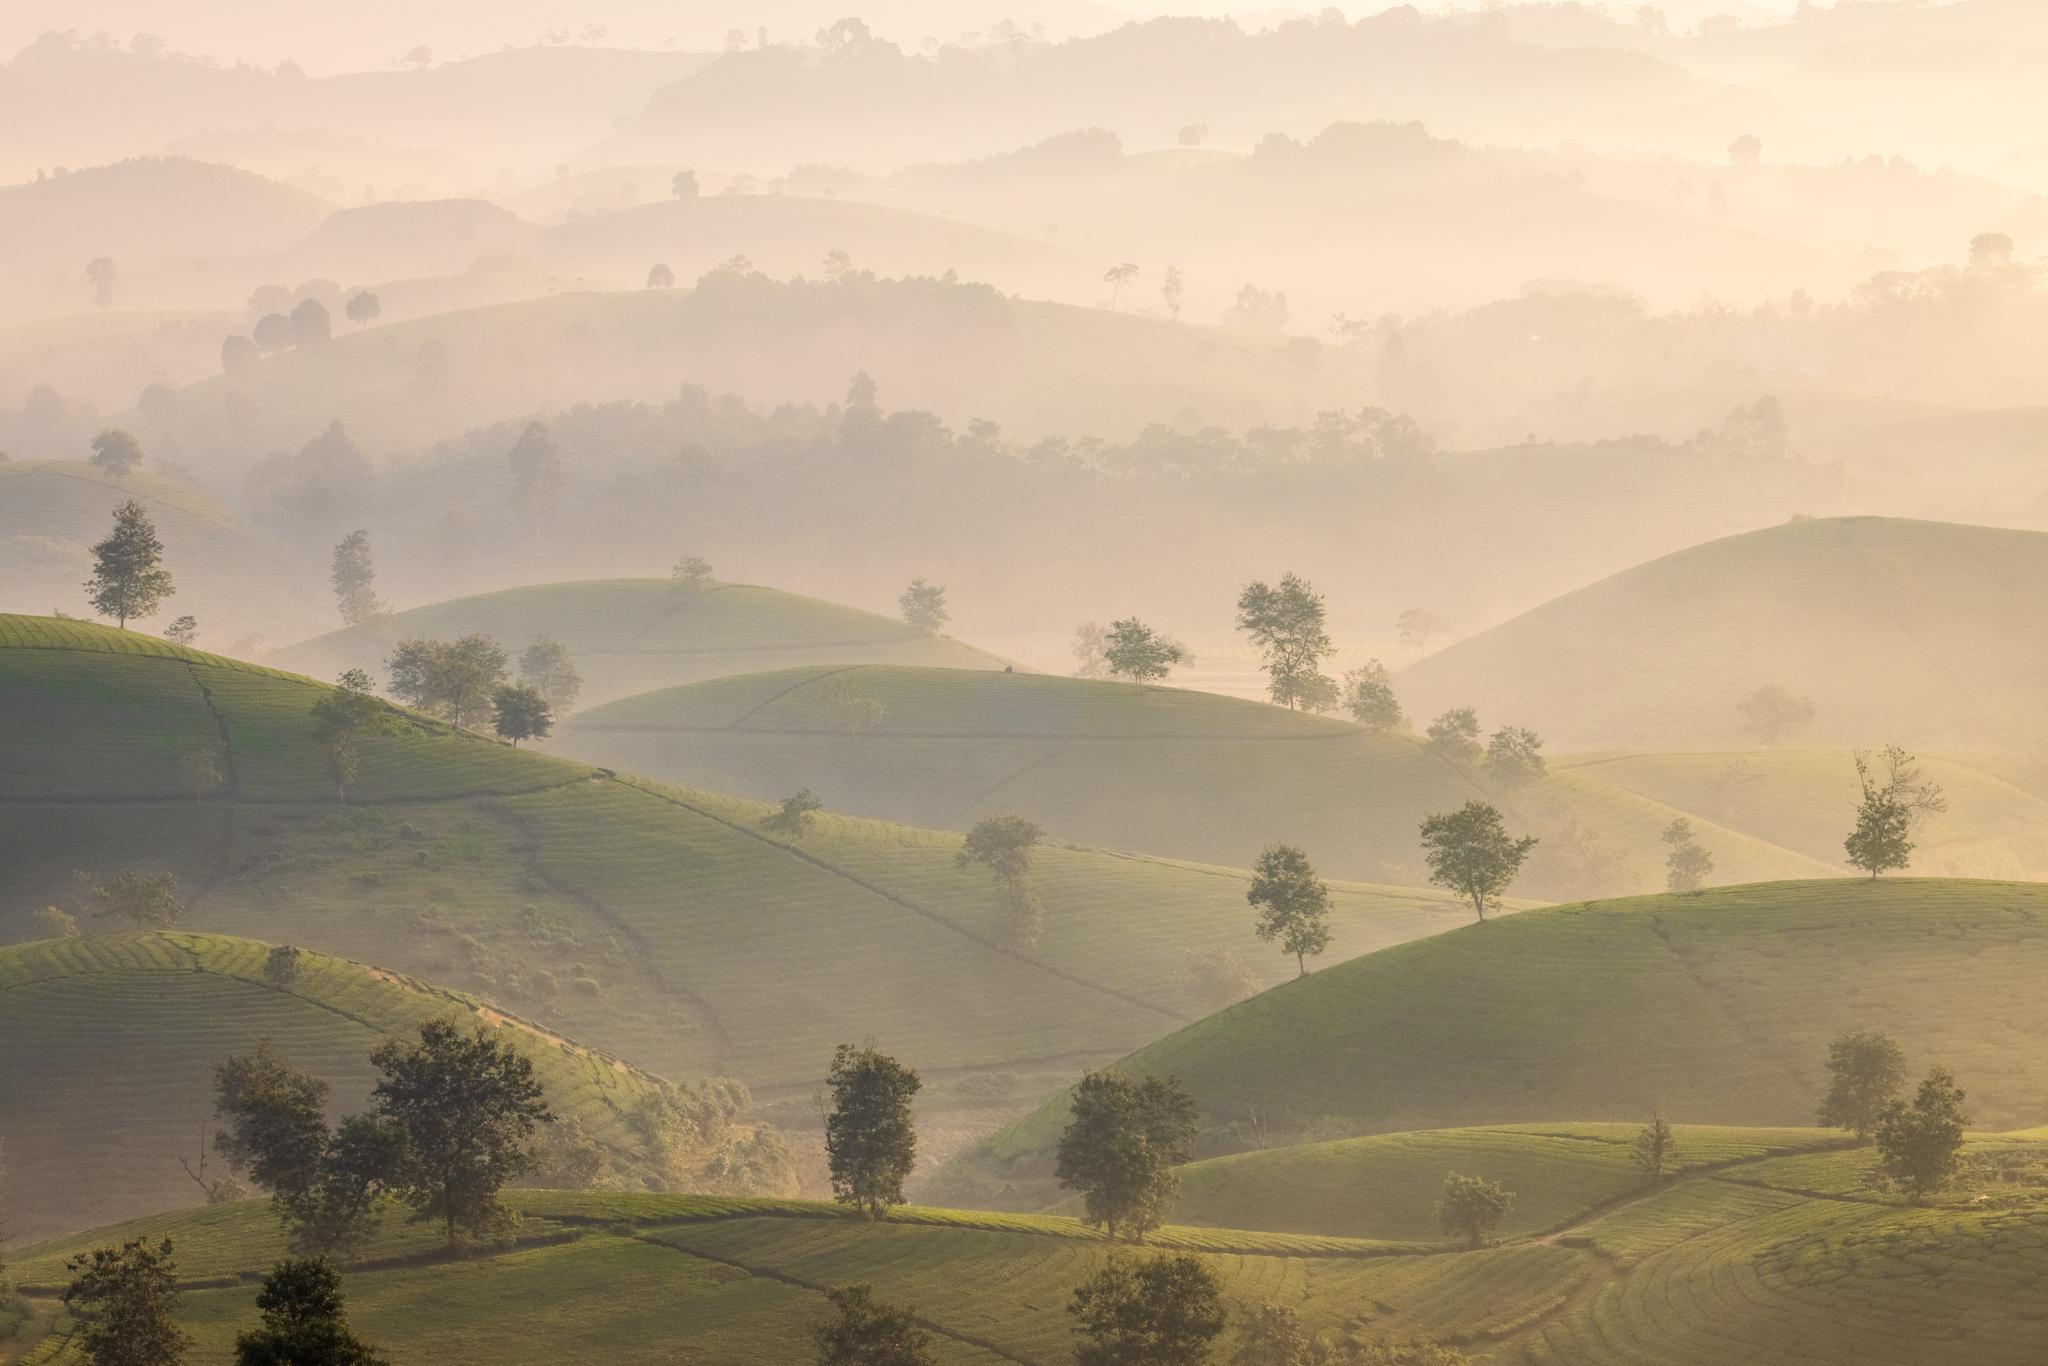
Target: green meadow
(630, 635)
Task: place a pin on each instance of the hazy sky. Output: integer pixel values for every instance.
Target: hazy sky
(372, 33)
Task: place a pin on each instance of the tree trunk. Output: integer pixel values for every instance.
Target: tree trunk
(1301, 962)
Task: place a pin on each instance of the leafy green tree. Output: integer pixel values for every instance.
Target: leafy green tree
(521, 713)
(1469, 853)
(1472, 1206)
(1870, 1070)
(54, 922)
(148, 900)
(281, 968)
(467, 1106)
(794, 818)
(128, 577)
(1368, 695)
(363, 308)
(1920, 1145)
(546, 668)
(1135, 651)
(864, 1331)
(1688, 864)
(1879, 842)
(1270, 1335)
(1417, 628)
(1003, 844)
(182, 630)
(1770, 713)
(125, 1299)
(116, 452)
(1286, 624)
(340, 718)
(1654, 1147)
(762, 1163)
(536, 467)
(691, 578)
(869, 1138)
(1293, 903)
(1512, 757)
(305, 1320)
(451, 679)
(1122, 1146)
(1157, 1311)
(924, 606)
(311, 325)
(1454, 736)
(850, 701)
(354, 579)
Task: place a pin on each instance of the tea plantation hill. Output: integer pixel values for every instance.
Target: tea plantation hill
(1768, 1249)
(661, 925)
(234, 577)
(106, 1080)
(1167, 770)
(1927, 634)
(1717, 1007)
(627, 636)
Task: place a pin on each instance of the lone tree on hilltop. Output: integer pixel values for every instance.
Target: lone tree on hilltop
(1920, 1145)
(354, 579)
(116, 452)
(128, 577)
(340, 718)
(546, 668)
(102, 271)
(1286, 624)
(1513, 758)
(1368, 695)
(1159, 1311)
(1417, 628)
(311, 325)
(660, 276)
(1135, 651)
(1884, 818)
(305, 1320)
(364, 308)
(1770, 714)
(869, 1138)
(1688, 864)
(1122, 1146)
(1870, 1070)
(1455, 736)
(924, 606)
(146, 900)
(1172, 286)
(182, 630)
(1116, 277)
(124, 1299)
(521, 713)
(1655, 1146)
(1898, 774)
(1469, 853)
(536, 467)
(467, 1107)
(795, 818)
(1472, 1206)
(1293, 903)
(1003, 844)
(691, 578)
(864, 1331)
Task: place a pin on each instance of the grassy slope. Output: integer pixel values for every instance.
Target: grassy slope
(659, 924)
(629, 635)
(1733, 1263)
(232, 576)
(1916, 632)
(1718, 1007)
(111, 1041)
(1182, 773)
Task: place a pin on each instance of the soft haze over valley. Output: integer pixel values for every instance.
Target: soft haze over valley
(1351, 686)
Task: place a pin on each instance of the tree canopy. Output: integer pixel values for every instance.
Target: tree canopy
(116, 452)
(1133, 650)
(1920, 1145)
(521, 713)
(340, 717)
(924, 605)
(1513, 757)
(1655, 1146)
(1003, 844)
(864, 1331)
(128, 577)
(536, 467)
(1368, 695)
(1293, 903)
(305, 1320)
(870, 1141)
(1869, 1070)
(354, 579)
(1688, 864)
(1472, 1206)
(1158, 1311)
(1455, 736)
(1121, 1147)
(124, 1299)
(452, 679)
(1285, 623)
(1469, 853)
(1884, 821)
(546, 668)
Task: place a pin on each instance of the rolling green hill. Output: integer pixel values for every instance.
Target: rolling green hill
(627, 636)
(106, 1079)
(1175, 772)
(1757, 1258)
(236, 578)
(1921, 633)
(1716, 1006)
(659, 924)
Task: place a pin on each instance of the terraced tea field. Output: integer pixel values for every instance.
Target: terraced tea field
(112, 1040)
(1720, 1265)
(628, 636)
(1185, 774)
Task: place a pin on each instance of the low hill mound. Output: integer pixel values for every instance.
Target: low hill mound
(664, 925)
(234, 577)
(1916, 632)
(1167, 770)
(404, 237)
(1717, 1007)
(107, 1077)
(1738, 1264)
(152, 208)
(628, 636)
